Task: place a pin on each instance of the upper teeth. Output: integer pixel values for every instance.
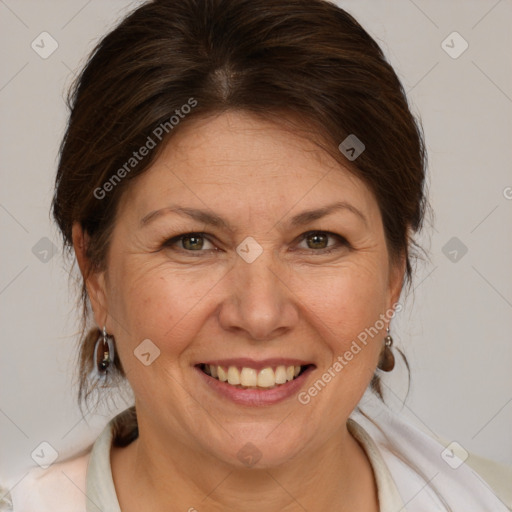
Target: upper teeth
(249, 377)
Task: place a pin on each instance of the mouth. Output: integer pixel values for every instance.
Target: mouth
(247, 377)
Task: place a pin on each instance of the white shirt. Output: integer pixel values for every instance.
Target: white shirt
(84, 483)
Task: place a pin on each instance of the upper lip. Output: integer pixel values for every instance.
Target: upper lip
(257, 365)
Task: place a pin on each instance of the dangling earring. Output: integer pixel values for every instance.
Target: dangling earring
(387, 359)
(103, 355)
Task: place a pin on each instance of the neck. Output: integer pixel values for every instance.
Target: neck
(336, 477)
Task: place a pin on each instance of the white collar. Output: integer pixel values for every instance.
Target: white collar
(100, 489)
(425, 481)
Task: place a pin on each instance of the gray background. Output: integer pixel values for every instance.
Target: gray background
(456, 328)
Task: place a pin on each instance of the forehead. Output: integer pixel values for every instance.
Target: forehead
(223, 143)
(251, 163)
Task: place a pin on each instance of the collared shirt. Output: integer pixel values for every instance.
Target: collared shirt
(84, 483)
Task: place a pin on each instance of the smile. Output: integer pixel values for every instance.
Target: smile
(251, 378)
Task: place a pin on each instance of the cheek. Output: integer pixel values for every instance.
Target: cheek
(346, 311)
(155, 302)
(349, 299)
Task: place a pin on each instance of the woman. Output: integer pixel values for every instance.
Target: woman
(240, 182)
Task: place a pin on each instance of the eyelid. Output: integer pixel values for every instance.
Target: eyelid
(341, 241)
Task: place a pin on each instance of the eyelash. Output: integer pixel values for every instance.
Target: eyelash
(342, 242)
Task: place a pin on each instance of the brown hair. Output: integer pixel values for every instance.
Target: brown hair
(303, 59)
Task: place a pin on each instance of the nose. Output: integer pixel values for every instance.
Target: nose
(259, 302)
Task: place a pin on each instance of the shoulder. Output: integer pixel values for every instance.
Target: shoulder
(59, 488)
(432, 470)
(72, 485)
(497, 476)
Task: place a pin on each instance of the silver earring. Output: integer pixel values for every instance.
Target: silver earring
(103, 355)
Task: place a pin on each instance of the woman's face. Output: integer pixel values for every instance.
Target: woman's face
(247, 288)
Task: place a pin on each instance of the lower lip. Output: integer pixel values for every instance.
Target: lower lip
(256, 397)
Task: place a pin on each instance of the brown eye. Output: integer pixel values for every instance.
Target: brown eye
(192, 242)
(318, 241)
(189, 242)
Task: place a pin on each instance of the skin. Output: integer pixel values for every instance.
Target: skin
(208, 303)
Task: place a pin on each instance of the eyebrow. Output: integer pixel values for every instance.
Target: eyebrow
(213, 219)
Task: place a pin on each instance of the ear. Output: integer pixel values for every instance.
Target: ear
(396, 278)
(94, 281)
